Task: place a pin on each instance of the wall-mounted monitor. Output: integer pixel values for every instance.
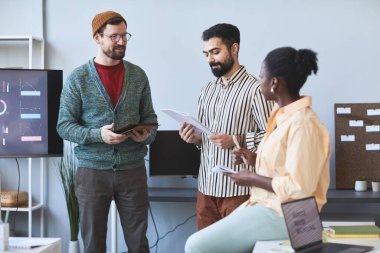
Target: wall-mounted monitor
(169, 155)
(29, 104)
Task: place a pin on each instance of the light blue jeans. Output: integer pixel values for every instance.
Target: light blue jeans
(239, 231)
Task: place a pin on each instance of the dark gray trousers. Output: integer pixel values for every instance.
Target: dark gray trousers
(95, 190)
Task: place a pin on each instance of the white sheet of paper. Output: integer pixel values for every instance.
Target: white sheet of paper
(222, 169)
(347, 138)
(186, 117)
(356, 123)
(272, 246)
(372, 146)
(343, 110)
(373, 128)
(28, 243)
(373, 112)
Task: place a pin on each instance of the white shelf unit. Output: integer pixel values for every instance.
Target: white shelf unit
(32, 206)
(31, 40)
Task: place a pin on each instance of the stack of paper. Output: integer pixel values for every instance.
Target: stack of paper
(222, 169)
(29, 243)
(185, 117)
(369, 231)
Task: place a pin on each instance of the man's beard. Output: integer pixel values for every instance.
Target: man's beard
(224, 67)
(117, 52)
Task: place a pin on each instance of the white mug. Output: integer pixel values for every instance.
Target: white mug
(376, 186)
(360, 186)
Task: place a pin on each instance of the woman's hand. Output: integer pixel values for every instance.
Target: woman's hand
(249, 178)
(243, 177)
(243, 155)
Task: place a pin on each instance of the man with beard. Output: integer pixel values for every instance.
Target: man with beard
(104, 94)
(235, 110)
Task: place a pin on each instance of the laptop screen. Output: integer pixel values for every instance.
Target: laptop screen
(303, 222)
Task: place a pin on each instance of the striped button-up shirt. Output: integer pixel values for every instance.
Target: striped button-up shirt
(238, 108)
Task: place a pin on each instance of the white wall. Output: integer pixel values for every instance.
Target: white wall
(166, 43)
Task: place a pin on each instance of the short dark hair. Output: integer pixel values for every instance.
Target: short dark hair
(228, 33)
(294, 66)
(112, 21)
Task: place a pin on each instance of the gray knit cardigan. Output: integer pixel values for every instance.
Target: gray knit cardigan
(85, 107)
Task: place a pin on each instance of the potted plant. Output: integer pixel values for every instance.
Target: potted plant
(67, 171)
(376, 185)
(361, 184)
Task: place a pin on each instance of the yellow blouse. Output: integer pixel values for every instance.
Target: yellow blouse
(295, 152)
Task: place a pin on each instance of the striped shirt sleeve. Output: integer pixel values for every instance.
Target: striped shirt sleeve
(261, 110)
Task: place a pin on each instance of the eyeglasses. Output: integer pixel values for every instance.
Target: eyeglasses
(116, 37)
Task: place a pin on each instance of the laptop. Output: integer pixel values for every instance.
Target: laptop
(305, 229)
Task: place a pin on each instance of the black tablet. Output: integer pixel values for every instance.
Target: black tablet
(137, 127)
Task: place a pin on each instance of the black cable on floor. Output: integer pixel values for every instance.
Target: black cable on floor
(156, 230)
(171, 231)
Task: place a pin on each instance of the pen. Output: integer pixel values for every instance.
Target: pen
(234, 139)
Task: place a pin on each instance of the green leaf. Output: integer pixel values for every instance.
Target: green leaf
(67, 171)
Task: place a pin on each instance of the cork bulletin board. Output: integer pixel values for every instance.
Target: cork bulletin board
(357, 143)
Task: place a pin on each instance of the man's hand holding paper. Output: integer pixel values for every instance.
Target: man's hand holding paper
(183, 117)
(189, 135)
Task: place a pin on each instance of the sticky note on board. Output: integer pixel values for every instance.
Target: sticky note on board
(373, 112)
(373, 128)
(372, 147)
(344, 138)
(356, 123)
(343, 110)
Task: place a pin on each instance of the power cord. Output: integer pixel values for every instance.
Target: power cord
(171, 231)
(156, 230)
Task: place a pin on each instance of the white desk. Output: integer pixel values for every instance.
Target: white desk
(274, 246)
(54, 247)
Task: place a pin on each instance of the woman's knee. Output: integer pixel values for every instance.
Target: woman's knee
(193, 244)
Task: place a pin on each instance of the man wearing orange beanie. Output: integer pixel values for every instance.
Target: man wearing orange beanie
(104, 94)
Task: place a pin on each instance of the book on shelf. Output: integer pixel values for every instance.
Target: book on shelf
(361, 231)
(335, 236)
(327, 224)
(346, 219)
